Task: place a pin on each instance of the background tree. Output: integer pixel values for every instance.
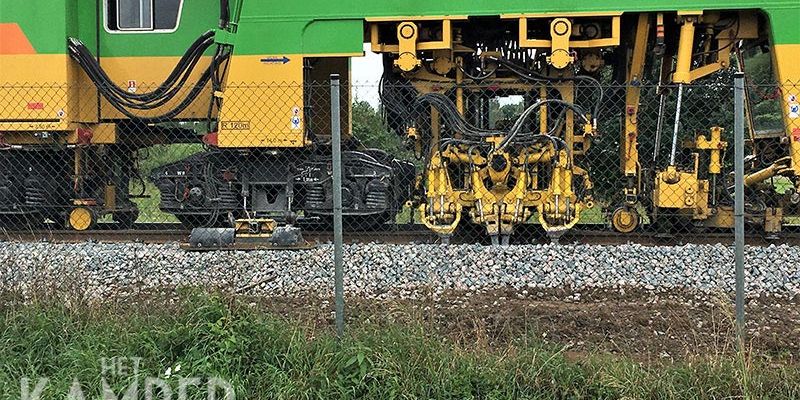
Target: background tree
(370, 128)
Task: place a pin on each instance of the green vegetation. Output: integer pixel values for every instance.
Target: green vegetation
(370, 128)
(505, 114)
(149, 211)
(764, 94)
(268, 357)
(156, 156)
(150, 158)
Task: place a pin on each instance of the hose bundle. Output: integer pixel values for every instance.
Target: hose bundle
(472, 134)
(533, 76)
(125, 101)
(451, 116)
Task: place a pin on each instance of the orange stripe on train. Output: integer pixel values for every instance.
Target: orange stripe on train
(13, 40)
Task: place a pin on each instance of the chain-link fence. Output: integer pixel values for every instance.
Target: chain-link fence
(489, 160)
(592, 165)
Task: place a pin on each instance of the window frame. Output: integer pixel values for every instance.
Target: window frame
(132, 31)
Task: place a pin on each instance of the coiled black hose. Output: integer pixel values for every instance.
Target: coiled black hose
(81, 54)
(124, 101)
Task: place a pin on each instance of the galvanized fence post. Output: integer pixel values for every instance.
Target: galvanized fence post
(738, 132)
(336, 149)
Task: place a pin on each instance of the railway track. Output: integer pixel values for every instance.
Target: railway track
(409, 234)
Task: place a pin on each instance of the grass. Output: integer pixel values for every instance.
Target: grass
(594, 215)
(149, 210)
(156, 156)
(269, 357)
(153, 157)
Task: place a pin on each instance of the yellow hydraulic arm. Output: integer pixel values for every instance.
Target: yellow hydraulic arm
(630, 133)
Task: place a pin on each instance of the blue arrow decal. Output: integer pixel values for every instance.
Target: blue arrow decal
(275, 60)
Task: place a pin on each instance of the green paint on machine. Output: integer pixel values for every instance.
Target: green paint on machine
(316, 26)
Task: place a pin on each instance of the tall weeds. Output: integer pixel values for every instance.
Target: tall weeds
(268, 357)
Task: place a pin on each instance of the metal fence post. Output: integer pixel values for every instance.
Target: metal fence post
(738, 132)
(336, 149)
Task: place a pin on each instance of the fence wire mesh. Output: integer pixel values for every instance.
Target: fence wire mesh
(485, 162)
(488, 160)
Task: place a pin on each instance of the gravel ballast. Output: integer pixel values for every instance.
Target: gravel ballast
(383, 271)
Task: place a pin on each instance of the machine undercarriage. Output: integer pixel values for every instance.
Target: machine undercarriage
(73, 187)
(618, 119)
(522, 169)
(217, 188)
(535, 167)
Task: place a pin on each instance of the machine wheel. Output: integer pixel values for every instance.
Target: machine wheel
(81, 218)
(625, 220)
(126, 219)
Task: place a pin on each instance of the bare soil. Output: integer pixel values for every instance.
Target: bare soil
(647, 327)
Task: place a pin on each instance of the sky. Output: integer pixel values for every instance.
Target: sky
(366, 73)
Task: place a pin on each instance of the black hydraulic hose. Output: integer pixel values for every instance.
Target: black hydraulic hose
(451, 115)
(166, 97)
(515, 130)
(195, 51)
(81, 54)
(214, 88)
(99, 77)
(395, 94)
(471, 134)
(190, 98)
(224, 14)
(528, 111)
(220, 57)
(123, 101)
(165, 93)
(535, 76)
(189, 58)
(485, 75)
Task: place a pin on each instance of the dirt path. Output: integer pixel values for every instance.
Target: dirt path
(642, 326)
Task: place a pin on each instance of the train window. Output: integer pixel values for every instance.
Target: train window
(135, 14)
(142, 16)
